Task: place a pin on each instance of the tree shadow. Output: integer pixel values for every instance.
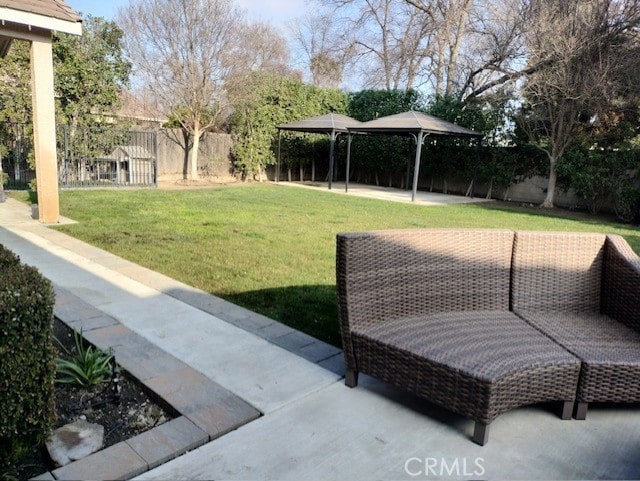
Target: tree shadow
(312, 309)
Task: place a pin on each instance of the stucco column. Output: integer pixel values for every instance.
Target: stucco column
(44, 128)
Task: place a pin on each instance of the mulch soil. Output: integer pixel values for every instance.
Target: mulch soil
(123, 407)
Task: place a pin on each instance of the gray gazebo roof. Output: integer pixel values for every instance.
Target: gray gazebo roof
(413, 122)
(331, 124)
(417, 124)
(322, 124)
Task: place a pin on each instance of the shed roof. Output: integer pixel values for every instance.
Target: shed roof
(131, 151)
(322, 124)
(413, 122)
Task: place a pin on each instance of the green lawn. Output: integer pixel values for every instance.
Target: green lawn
(272, 248)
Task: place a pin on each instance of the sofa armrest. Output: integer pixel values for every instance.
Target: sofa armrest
(621, 282)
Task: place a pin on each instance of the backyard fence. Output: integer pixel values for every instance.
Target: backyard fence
(96, 157)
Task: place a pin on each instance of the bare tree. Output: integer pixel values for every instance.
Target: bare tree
(476, 44)
(260, 47)
(584, 48)
(391, 38)
(325, 48)
(180, 51)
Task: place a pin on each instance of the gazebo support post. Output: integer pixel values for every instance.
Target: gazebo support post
(475, 167)
(416, 169)
(332, 145)
(278, 162)
(348, 173)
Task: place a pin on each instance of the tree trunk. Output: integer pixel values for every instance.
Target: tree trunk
(551, 188)
(185, 163)
(194, 153)
(313, 170)
(490, 192)
(1, 183)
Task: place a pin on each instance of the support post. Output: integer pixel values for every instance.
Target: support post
(346, 180)
(278, 162)
(44, 128)
(416, 170)
(332, 146)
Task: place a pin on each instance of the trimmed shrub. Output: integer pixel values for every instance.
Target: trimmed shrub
(27, 367)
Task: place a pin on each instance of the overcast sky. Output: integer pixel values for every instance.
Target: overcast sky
(278, 12)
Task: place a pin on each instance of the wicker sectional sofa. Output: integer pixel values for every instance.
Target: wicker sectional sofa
(484, 321)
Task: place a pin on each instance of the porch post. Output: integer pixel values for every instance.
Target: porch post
(44, 128)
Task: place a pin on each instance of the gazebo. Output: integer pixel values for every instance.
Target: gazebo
(418, 125)
(34, 21)
(331, 124)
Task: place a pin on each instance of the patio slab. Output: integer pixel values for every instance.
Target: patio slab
(377, 432)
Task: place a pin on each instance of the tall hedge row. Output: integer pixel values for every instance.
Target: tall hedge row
(27, 367)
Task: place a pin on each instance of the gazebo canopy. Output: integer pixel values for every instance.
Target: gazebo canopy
(417, 124)
(331, 124)
(412, 123)
(322, 124)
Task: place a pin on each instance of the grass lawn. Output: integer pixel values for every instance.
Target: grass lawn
(272, 248)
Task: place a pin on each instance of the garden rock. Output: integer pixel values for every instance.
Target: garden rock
(75, 441)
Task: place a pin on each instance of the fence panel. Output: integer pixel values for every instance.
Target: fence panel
(106, 158)
(87, 158)
(15, 146)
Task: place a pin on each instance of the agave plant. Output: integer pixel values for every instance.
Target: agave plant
(89, 366)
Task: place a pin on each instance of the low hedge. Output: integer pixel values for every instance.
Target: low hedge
(27, 367)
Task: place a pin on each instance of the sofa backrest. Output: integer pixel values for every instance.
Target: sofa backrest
(392, 274)
(557, 271)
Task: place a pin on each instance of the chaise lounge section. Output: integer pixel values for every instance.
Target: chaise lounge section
(484, 321)
(587, 299)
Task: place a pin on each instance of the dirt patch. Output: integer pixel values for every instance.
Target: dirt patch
(178, 183)
(124, 407)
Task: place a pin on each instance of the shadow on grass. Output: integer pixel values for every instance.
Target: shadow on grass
(311, 309)
(600, 223)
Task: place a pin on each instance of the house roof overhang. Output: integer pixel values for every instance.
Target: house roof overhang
(26, 19)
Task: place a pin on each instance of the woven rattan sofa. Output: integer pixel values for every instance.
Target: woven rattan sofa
(484, 321)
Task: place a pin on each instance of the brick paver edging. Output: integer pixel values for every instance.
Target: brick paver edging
(207, 410)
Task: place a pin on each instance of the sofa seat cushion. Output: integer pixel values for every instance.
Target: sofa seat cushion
(608, 349)
(476, 363)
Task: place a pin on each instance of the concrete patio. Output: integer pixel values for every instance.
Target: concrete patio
(310, 426)
(423, 198)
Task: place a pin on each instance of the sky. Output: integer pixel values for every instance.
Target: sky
(277, 12)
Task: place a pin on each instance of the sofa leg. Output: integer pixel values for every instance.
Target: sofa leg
(481, 433)
(567, 410)
(351, 378)
(581, 411)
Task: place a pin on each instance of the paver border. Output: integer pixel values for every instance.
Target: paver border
(206, 409)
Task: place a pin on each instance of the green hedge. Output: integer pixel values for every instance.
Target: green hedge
(27, 368)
